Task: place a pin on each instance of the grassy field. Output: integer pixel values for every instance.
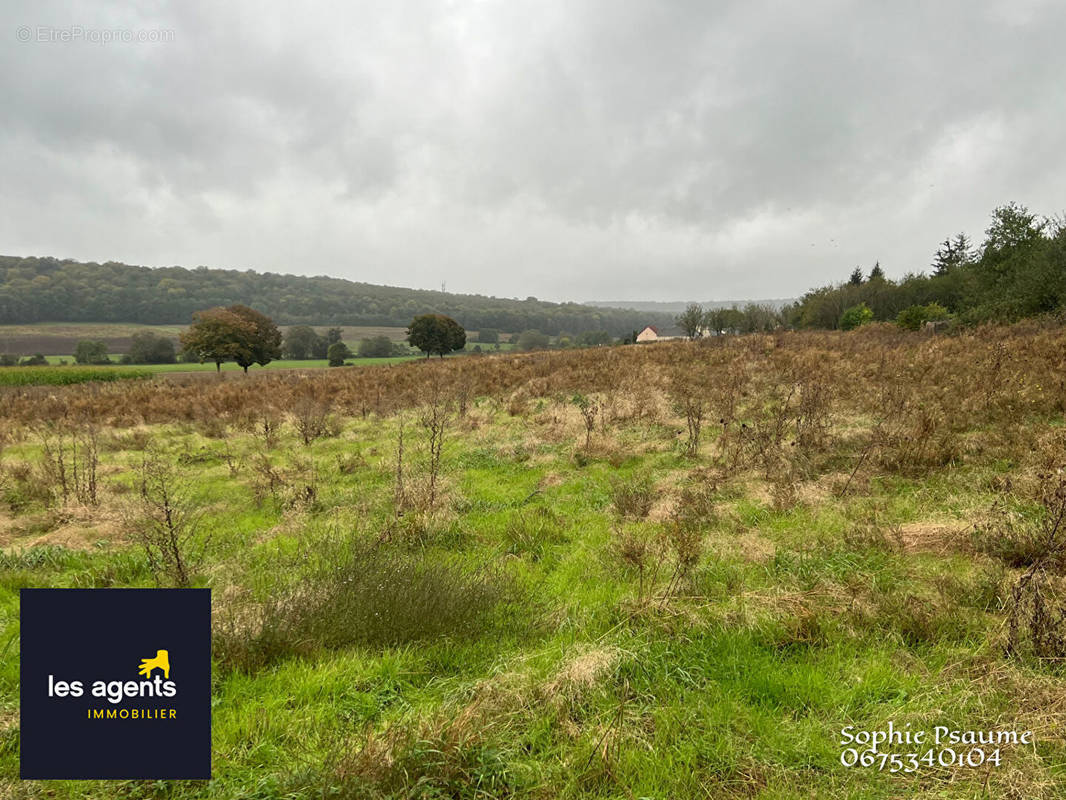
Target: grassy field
(60, 338)
(311, 363)
(65, 372)
(672, 571)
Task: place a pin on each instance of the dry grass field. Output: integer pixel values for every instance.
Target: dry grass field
(673, 571)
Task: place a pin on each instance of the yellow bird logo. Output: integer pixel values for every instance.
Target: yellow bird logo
(161, 661)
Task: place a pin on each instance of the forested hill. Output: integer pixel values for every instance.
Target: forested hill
(51, 290)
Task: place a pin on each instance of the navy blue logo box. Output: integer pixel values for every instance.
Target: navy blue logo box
(115, 683)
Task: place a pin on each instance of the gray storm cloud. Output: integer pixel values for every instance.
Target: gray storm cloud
(569, 150)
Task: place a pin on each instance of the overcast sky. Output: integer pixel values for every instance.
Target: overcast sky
(558, 148)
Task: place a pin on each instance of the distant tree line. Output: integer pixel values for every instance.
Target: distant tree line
(51, 290)
(533, 339)
(246, 336)
(12, 360)
(1018, 271)
(696, 322)
(146, 347)
(303, 341)
(381, 347)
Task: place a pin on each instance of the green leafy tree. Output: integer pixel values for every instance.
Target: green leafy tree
(692, 320)
(219, 335)
(302, 341)
(91, 352)
(436, 334)
(756, 317)
(148, 347)
(855, 317)
(265, 344)
(1012, 278)
(732, 320)
(488, 336)
(532, 340)
(338, 351)
(593, 339)
(375, 347)
(714, 320)
(1013, 227)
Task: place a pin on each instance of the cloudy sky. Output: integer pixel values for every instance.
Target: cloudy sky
(609, 149)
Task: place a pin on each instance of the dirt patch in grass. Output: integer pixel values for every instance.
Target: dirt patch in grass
(815, 493)
(549, 480)
(1038, 700)
(77, 537)
(759, 492)
(10, 529)
(662, 509)
(291, 522)
(75, 528)
(756, 548)
(934, 537)
(579, 674)
(9, 718)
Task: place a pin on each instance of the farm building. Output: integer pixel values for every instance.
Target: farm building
(654, 333)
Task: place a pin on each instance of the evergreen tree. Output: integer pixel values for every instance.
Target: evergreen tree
(952, 254)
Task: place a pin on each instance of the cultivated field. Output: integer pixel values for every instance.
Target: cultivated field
(66, 375)
(669, 571)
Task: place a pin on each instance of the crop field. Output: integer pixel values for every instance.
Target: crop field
(668, 571)
(62, 376)
(60, 338)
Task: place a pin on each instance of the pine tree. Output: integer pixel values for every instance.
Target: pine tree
(952, 254)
